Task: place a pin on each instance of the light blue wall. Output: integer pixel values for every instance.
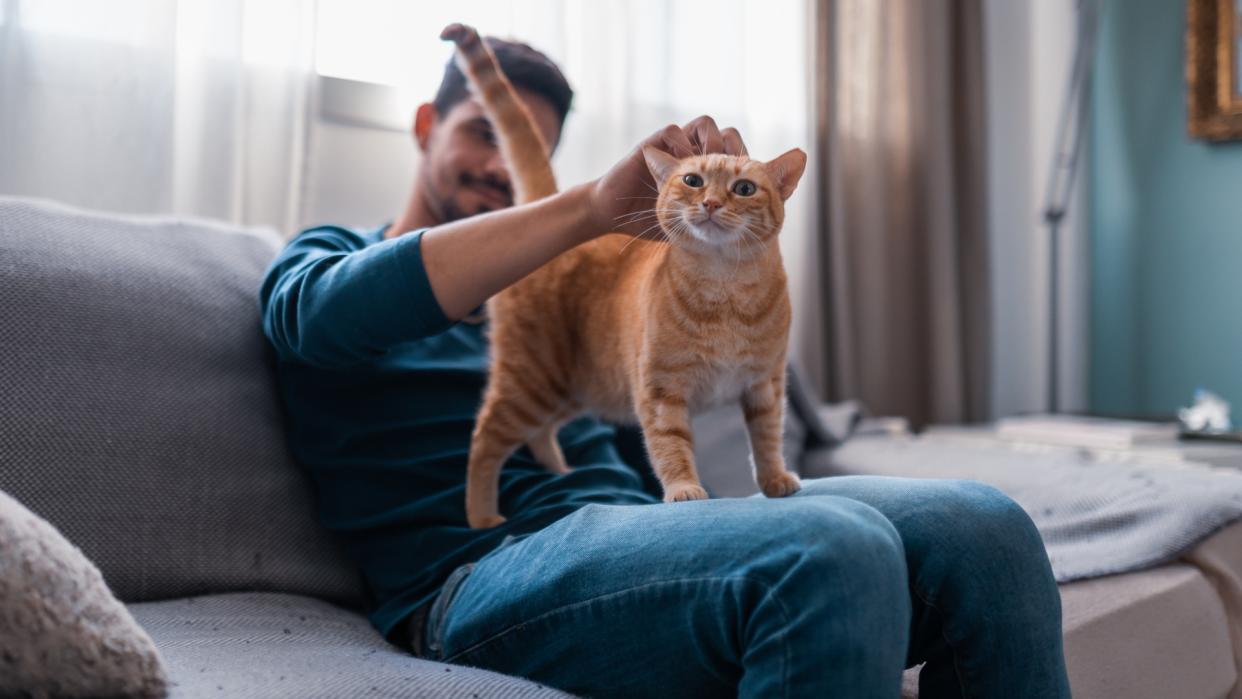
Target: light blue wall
(1166, 226)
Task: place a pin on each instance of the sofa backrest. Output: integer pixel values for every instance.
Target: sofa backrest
(138, 406)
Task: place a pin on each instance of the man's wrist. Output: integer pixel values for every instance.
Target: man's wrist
(584, 225)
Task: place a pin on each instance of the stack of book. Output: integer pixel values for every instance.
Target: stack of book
(1083, 431)
(1105, 439)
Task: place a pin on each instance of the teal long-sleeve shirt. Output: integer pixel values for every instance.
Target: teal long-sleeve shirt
(380, 391)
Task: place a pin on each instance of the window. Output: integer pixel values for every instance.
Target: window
(635, 65)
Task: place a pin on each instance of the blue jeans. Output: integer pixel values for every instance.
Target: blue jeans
(828, 593)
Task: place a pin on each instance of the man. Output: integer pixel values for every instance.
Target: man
(593, 585)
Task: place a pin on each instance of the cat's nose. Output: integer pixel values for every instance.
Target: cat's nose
(711, 205)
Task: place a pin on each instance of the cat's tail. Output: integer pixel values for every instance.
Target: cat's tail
(520, 142)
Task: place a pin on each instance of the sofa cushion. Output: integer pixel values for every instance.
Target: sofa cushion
(62, 633)
(274, 645)
(140, 415)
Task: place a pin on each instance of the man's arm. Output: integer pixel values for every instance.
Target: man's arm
(469, 260)
(330, 300)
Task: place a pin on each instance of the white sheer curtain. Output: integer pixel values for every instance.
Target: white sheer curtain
(194, 107)
(201, 106)
(635, 65)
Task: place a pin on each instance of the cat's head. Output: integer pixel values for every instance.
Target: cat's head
(719, 200)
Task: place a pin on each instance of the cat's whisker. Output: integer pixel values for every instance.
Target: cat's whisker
(640, 235)
(634, 218)
(744, 240)
(750, 235)
(649, 229)
(680, 229)
(626, 219)
(646, 212)
(737, 255)
(650, 211)
(730, 219)
(638, 222)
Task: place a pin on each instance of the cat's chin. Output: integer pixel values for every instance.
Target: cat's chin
(713, 234)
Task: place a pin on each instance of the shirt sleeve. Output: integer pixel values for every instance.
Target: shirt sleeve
(332, 300)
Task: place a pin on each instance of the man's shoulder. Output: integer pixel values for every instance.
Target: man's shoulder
(337, 237)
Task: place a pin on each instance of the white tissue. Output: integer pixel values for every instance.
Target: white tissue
(1210, 413)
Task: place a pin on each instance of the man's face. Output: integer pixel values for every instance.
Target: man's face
(462, 165)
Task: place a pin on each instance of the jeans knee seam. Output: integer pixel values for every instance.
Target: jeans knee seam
(770, 593)
(785, 661)
(957, 668)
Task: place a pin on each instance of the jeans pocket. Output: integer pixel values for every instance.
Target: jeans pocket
(438, 616)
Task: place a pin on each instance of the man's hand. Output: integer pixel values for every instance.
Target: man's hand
(625, 197)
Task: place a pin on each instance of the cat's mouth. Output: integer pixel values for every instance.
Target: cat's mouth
(709, 229)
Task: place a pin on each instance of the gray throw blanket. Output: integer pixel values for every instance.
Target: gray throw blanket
(1096, 518)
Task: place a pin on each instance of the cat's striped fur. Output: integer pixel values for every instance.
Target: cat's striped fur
(631, 328)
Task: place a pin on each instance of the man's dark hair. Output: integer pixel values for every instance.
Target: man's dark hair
(525, 67)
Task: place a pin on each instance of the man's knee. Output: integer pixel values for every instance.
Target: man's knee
(990, 519)
(977, 528)
(844, 542)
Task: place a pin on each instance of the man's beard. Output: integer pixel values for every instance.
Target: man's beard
(469, 181)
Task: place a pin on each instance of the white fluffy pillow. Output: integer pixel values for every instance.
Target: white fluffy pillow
(62, 633)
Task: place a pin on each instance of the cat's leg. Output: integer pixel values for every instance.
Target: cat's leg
(521, 400)
(763, 405)
(665, 420)
(547, 450)
(491, 445)
(505, 422)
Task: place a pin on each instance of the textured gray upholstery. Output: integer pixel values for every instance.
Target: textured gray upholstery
(138, 416)
(274, 645)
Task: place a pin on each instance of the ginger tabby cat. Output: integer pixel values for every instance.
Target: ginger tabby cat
(623, 326)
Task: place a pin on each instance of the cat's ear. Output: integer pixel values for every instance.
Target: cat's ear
(786, 170)
(660, 164)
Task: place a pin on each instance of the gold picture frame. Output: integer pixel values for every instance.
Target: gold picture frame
(1213, 74)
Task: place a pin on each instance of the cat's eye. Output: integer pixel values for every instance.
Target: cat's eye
(744, 188)
(693, 180)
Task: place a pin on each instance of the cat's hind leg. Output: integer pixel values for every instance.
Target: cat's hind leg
(489, 449)
(547, 450)
(521, 405)
(503, 425)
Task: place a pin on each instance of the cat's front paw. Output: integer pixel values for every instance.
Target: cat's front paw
(780, 485)
(681, 492)
(485, 521)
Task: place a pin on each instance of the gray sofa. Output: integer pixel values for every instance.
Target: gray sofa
(140, 417)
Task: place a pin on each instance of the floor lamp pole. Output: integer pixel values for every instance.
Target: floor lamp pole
(1064, 167)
